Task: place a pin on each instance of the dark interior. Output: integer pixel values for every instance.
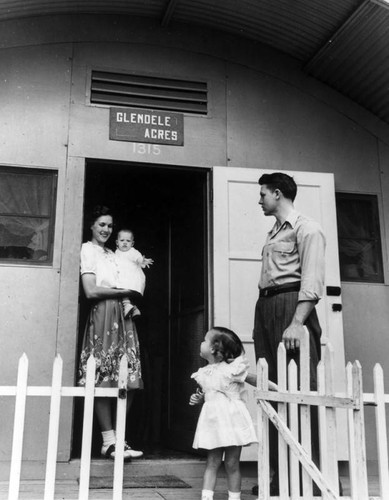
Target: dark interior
(167, 210)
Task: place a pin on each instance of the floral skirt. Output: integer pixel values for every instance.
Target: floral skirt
(108, 336)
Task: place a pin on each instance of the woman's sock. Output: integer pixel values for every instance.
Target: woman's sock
(206, 495)
(234, 495)
(108, 439)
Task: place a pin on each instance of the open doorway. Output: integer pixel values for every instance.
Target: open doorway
(166, 207)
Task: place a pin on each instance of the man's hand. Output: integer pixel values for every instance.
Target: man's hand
(292, 336)
(295, 331)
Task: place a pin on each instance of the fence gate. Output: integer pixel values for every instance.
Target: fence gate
(293, 423)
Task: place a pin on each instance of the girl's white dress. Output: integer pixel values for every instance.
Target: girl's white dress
(224, 419)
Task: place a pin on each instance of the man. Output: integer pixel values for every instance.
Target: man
(291, 283)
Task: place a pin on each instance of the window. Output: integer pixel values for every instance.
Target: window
(359, 238)
(27, 208)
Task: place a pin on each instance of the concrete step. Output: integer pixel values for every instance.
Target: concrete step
(182, 467)
(137, 468)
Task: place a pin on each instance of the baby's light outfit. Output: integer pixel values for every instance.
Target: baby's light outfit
(130, 266)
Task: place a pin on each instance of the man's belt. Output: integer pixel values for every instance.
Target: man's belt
(275, 290)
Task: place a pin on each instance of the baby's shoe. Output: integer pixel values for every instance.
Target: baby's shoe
(135, 312)
(127, 310)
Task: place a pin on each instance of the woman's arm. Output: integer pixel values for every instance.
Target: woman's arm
(94, 292)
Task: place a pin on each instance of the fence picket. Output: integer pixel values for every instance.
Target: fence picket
(282, 408)
(359, 430)
(52, 445)
(87, 429)
(120, 430)
(18, 432)
(322, 416)
(351, 435)
(305, 411)
(263, 434)
(382, 440)
(332, 462)
(294, 428)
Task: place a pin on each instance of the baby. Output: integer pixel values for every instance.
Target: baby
(130, 263)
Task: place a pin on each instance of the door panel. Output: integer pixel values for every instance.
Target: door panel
(240, 230)
(188, 300)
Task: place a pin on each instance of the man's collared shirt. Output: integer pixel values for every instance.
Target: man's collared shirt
(295, 252)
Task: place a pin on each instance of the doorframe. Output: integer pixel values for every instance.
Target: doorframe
(68, 292)
(72, 237)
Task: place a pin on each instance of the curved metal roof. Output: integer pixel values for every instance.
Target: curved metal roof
(343, 43)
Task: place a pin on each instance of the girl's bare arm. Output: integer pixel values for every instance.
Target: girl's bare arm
(252, 380)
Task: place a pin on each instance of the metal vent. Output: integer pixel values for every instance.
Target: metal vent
(148, 92)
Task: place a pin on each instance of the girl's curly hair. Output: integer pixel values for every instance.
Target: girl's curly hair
(226, 344)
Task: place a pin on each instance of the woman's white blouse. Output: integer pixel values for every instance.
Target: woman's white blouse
(100, 262)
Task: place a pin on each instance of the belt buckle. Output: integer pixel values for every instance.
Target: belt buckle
(265, 293)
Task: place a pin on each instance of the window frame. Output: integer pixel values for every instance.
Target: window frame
(51, 218)
(373, 200)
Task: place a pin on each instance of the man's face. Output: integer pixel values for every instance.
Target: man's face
(268, 200)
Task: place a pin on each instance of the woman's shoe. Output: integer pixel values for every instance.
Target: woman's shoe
(110, 452)
(132, 453)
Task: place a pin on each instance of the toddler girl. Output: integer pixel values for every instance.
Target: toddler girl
(224, 424)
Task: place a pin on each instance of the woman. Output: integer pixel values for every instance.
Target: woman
(107, 335)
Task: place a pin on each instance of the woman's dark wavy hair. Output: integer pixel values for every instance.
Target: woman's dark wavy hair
(96, 212)
(226, 344)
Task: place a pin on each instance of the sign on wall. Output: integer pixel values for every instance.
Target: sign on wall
(146, 126)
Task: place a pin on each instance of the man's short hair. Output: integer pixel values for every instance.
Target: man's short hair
(278, 180)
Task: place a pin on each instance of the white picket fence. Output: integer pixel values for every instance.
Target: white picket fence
(56, 391)
(293, 422)
(294, 402)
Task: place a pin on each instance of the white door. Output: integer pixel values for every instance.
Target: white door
(240, 230)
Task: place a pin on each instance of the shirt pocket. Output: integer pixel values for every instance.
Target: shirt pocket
(284, 248)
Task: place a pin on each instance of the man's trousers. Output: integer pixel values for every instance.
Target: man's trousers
(272, 316)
